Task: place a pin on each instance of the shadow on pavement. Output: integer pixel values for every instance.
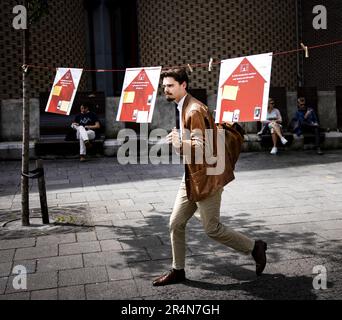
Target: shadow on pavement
(268, 287)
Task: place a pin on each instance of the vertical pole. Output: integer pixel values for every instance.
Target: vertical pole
(42, 194)
(26, 132)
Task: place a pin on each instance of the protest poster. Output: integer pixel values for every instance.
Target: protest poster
(139, 95)
(244, 89)
(64, 91)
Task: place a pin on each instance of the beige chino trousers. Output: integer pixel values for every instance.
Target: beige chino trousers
(209, 210)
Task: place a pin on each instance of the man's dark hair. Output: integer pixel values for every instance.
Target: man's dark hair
(179, 74)
(86, 105)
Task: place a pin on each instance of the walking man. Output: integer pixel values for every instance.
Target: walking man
(198, 190)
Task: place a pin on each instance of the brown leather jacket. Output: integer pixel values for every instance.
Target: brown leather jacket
(200, 183)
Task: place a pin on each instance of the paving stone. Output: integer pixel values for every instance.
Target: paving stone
(106, 235)
(147, 242)
(80, 247)
(72, 293)
(30, 265)
(115, 215)
(331, 234)
(6, 205)
(163, 252)
(16, 296)
(126, 203)
(134, 215)
(150, 269)
(139, 255)
(63, 195)
(50, 294)
(128, 224)
(86, 236)
(3, 282)
(5, 269)
(295, 267)
(115, 233)
(36, 252)
(6, 255)
(115, 290)
(106, 195)
(82, 276)
(112, 258)
(56, 239)
(110, 245)
(99, 210)
(104, 226)
(60, 263)
(17, 243)
(36, 281)
(101, 218)
(117, 272)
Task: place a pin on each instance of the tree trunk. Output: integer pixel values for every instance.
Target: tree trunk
(26, 135)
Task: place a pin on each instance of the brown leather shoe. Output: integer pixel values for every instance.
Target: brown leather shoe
(172, 277)
(259, 255)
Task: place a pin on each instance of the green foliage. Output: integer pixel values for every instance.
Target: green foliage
(36, 9)
(65, 220)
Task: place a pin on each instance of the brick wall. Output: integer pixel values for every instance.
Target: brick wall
(324, 67)
(58, 39)
(180, 32)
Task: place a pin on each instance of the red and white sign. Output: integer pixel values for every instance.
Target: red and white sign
(64, 91)
(244, 89)
(139, 95)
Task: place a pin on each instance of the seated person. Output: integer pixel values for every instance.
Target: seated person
(273, 126)
(85, 123)
(306, 120)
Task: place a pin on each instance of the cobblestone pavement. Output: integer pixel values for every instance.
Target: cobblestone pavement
(111, 236)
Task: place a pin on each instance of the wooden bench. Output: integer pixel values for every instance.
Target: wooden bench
(56, 135)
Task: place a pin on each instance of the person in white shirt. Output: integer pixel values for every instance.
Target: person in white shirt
(273, 125)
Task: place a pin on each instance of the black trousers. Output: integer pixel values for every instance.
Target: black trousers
(307, 128)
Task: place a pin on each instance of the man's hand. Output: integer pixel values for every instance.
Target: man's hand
(307, 113)
(173, 138)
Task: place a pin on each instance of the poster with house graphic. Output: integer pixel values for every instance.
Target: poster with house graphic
(244, 89)
(139, 95)
(64, 91)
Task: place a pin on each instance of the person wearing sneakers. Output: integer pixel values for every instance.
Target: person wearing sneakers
(86, 123)
(273, 126)
(199, 190)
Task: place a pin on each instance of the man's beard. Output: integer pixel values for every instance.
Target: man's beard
(170, 99)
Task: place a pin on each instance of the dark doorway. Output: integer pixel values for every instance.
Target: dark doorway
(112, 42)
